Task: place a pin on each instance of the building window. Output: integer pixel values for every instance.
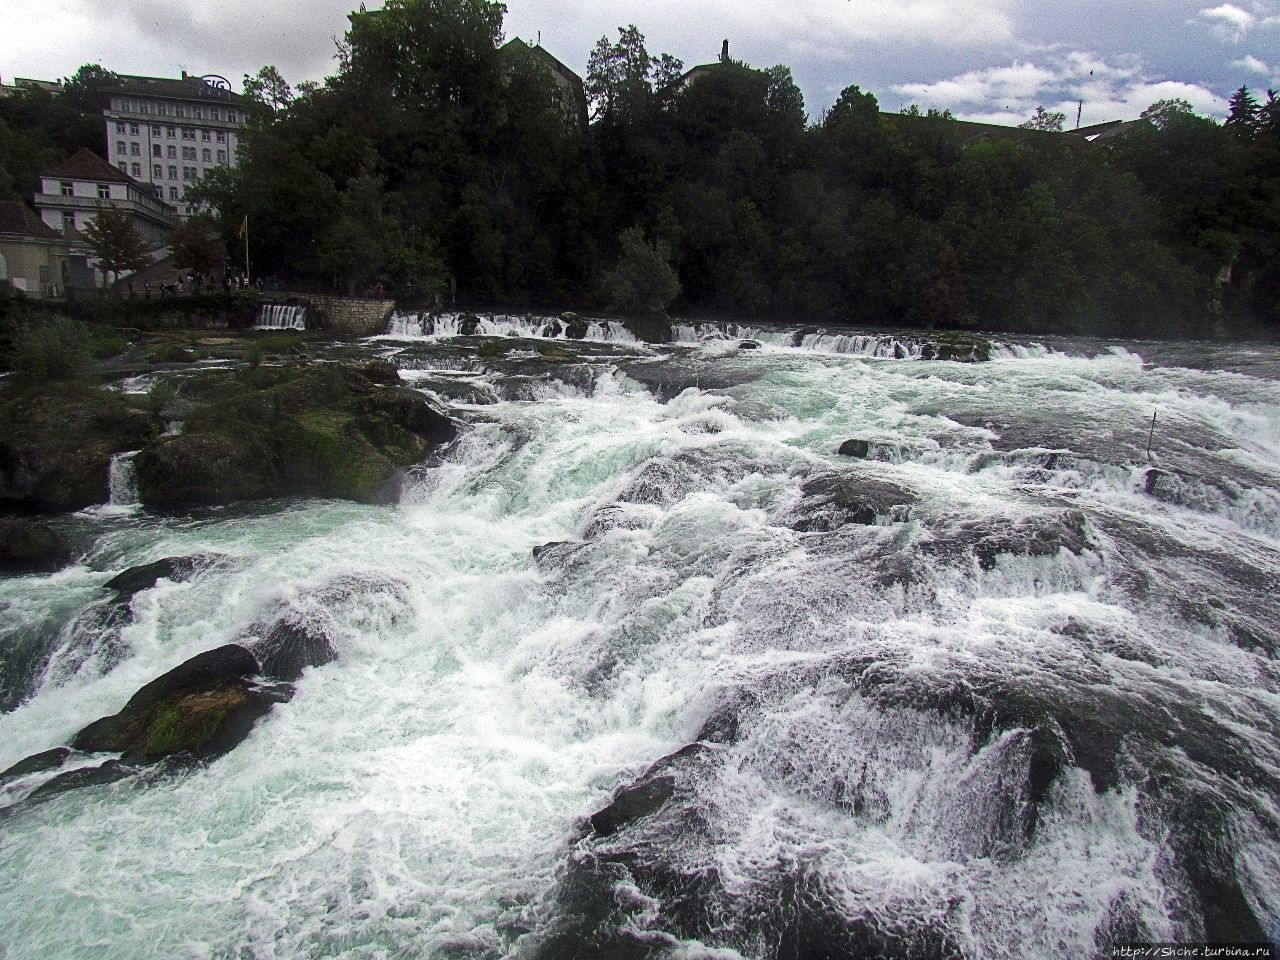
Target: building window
(206, 136)
(119, 128)
(156, 151)
(67, 189)
(68, 221)
(173, 152)
(104, 192)
(133, 129)
(121, 147)
(188, 133)
(170, 132)
(215, 114)
(179, 111)
(122, 165)
(188, 173)
(173, 173)
(222, 137)
(222, 156)
(136, 169)
(195, 112)
(144, 108)
(157, 172)
(173, 193)
(135, 149)
(155, 129)
(206, 156)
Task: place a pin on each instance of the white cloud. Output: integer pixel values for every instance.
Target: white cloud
(1252, 64)
(1232, 24)
(1010, 94)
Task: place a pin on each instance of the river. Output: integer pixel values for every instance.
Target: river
(1004, 686)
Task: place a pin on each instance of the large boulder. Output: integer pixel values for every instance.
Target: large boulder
(575, 328)
(650, 329)
(147, 575)
(302, 430)
(28, 545)
(56, 445)
(201, 708)
(831, 501)
(207, 467)
(290, 647)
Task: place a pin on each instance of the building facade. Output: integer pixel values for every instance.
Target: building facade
(34, 258)
(73, 191)
(170, 133)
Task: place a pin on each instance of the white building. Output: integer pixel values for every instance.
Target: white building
(72, 193)
(170, 133)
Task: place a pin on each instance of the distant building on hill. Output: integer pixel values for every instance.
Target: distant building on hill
(170, 133)
(23, 83)
(573, 95)
(694, 74)
(34, 258)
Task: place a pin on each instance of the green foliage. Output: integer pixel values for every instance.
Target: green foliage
(115, 244)
(57, 350)
(195, 247)
(1045, 120)
(643, 284)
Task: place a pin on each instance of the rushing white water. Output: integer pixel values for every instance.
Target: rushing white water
(1025, 590)
(412, 325)
(281, 316)
(121, 481)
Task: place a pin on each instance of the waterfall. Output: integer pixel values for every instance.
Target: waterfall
(416, 325)
(122, 484)
(281, 316)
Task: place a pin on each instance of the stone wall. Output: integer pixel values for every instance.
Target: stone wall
(344, 316)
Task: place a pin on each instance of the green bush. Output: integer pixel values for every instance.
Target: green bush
(57, 349)
(644, 283)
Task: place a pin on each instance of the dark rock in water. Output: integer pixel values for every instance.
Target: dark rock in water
(575, 328)
(631, 803)
(289, 648)
(468, 324)
(36, 763)
(28, 545)
(861, 449)
(797, 338)
(201, 708)
(302, 430)
(542, 548)
(56, 446)
(381, 371)
(650, 329)
(962, 347)
(554, 329)
(749, 345)
(144, 577)
(831, 501)
(407, 409)
(199, 468)
(107, 772)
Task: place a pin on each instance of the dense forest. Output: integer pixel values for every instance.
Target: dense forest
(434, 162)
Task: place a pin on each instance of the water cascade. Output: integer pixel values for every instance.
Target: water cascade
(640, 665)
(121, 483)
(281, 316)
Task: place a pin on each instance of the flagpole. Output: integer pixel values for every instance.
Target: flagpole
(246, 248)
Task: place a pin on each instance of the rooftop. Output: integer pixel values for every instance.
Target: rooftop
(17, 217)
(186, 87)
(84, 164)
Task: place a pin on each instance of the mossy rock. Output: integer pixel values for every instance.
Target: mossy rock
(321, 430)
(202, 708)
(200, 468)
(28, 545)
(961, 347)
(56, 445)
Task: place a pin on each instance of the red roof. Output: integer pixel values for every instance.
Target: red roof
(17, 217)
(84, 164)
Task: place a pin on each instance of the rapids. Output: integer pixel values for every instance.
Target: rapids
(1003, 688)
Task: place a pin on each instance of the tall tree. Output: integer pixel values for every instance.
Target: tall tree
(116, 245)
(1243, 114)
(195, 247)
(1045, 120)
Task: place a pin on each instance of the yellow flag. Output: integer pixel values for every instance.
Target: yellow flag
(244, 226)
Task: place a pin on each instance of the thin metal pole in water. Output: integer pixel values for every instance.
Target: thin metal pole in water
(1152, 435)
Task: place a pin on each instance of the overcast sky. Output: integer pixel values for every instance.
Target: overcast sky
(985, 59)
